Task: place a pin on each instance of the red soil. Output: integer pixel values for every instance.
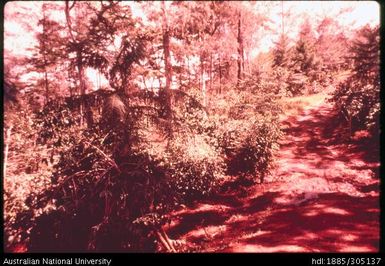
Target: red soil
(323, 196)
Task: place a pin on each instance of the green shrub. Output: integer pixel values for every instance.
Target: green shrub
(251, 152)
(194, 166)
(27, 170)
(115, 182)
(123, 174)
(248, 129)
(358, 96)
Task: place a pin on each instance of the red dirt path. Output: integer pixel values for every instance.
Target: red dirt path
(323, 196)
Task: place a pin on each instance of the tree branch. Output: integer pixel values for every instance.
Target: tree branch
(68, 18)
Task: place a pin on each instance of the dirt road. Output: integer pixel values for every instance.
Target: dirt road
(322, 196)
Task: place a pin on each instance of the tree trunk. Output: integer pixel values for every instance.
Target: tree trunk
(80, 67)
(45, 57)
(8, 140)
(46, 85)
(188, 71)
(167, 61)
(165, 240)
(240, 48)
(80, 72)
(203, 81)
(84, 106)
(220, 75)
(204, 89)
(181, 74)
(211, 71)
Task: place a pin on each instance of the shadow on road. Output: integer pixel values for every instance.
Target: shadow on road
(324, 197)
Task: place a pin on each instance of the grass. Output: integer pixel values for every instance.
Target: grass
(294, 105)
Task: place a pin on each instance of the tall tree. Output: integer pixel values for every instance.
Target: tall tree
(358, 97)
(77, 44)
(241, 58)
(93, 30)
(304, 62)
(167, 58)
(331, 44)
(50, 50)
(166, 46)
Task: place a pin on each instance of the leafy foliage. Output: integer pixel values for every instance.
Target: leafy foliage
(358, 96)
(250, 129)
(312, 62)
(28, 165)
(147, 147)
(129, 170)
(116, 173)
